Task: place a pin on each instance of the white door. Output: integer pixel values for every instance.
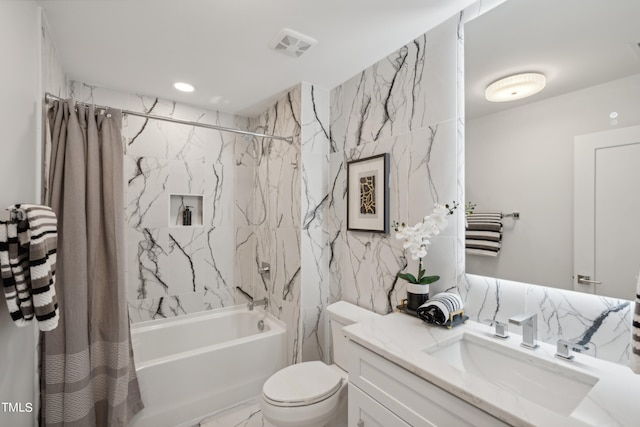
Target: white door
(607, 211)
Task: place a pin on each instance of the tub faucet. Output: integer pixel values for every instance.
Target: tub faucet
(529, 323)
(252, 303)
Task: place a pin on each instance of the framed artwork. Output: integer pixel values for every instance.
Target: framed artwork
(368, 194)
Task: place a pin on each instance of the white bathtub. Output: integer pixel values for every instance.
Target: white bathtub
(191, 366)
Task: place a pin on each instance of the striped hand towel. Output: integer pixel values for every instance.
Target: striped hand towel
(484, 233)
(14, 269)
(438, 308)
(634, 361)
(43, 242)
(28, 266)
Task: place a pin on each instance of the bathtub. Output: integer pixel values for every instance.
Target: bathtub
(194, 365)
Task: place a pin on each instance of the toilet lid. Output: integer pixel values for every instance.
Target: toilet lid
(302, 384)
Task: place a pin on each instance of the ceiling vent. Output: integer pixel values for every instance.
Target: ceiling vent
(291, 42)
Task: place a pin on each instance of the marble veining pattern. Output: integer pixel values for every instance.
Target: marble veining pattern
(315, 161)
(601, 323)
(401, 105)
(269, 220)
(171, 269)
(245, 414)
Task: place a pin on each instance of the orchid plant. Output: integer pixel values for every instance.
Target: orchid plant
(417, 239)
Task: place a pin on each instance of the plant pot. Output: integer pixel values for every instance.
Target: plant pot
(416, 295)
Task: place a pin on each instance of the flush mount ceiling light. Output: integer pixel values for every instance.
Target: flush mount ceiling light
(183, 87)
(514, 87)
(291, 42)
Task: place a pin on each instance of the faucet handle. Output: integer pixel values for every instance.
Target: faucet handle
(564, 348)
(501, 328)
(521, 319)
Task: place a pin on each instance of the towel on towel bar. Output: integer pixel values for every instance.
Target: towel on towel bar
(484, 233)
(28, 266)
(437, 309)
(634, 362)
(14, 269)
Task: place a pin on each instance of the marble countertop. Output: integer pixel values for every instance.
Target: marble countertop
(400, 338)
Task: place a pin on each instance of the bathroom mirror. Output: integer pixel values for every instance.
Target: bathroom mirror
(520, 154)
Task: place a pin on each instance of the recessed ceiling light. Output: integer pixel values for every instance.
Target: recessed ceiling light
(183, 87)
(514, 87)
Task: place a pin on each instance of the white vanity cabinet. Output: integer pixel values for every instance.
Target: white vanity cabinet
(382, 393)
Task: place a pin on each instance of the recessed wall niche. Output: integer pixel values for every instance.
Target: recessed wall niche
(185, 210)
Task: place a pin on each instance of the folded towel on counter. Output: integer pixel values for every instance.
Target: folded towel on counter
(634, 362)
(438, 308)
(30, 254)
(484, 233)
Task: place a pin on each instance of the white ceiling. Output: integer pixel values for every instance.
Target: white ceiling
(575, 43)
(221, 46)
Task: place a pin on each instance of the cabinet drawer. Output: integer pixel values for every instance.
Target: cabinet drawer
(414, 399)
(366, 412)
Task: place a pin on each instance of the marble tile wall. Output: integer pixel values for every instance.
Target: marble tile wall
(273, 223)
(267, 196)
(314, 227)
(173, 269)
(404, 105)
(283, 221)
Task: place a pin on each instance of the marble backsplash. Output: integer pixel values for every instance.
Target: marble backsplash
(603, 324)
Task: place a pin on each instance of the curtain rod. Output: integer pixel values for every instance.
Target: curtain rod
(289, 139)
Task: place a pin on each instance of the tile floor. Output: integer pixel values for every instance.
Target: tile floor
(246, 414)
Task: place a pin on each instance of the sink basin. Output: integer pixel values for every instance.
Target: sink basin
(556, 387)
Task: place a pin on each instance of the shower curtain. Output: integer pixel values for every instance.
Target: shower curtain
(87, 370)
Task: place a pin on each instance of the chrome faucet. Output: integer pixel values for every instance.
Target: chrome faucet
(529, 323)
(501, 328)
(564, 347)
(252, 303)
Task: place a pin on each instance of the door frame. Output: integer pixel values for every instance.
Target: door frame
(584, 162)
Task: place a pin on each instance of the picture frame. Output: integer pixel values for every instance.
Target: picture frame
(368, 194)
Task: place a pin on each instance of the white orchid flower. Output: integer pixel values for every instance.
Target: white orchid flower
(416, 238)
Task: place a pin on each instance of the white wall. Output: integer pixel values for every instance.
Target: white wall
(522, 159)
(18, 109)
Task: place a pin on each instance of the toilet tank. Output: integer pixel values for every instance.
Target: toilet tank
(342, 314)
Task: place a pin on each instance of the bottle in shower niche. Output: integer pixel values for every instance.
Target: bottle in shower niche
(186, 215)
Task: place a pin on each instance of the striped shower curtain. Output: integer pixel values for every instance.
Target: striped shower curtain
(87, 370)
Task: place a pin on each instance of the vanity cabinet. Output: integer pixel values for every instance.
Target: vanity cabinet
(382, 393)
(366, 412)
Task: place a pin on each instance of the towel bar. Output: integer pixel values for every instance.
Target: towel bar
(12, 215)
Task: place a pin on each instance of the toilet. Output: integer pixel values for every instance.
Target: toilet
(314, 394)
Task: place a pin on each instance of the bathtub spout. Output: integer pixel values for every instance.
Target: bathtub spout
(252, 303)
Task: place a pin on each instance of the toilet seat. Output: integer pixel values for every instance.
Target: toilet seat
(302, 384)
